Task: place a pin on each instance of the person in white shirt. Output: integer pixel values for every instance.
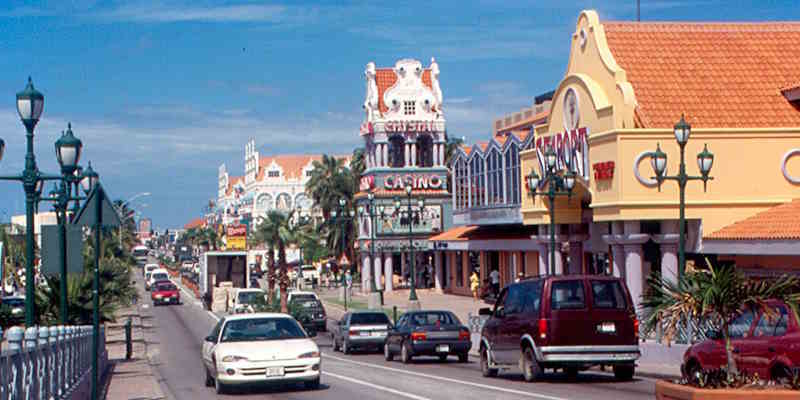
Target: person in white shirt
(494, 279)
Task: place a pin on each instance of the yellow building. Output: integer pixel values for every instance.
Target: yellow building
(625, 87)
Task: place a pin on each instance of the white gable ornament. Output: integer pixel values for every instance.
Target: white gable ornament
(409, 98)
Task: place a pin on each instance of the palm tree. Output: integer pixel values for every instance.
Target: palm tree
(357, 164)
(323, 187)
(718, 294)
(276, 229)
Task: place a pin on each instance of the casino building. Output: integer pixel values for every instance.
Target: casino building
(626, 86)
(405, 139)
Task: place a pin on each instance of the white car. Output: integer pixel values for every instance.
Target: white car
(309, 273)
(159, 274)
(260, 348)
(244, 298)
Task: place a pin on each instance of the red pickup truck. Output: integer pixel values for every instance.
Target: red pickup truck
(165, 292)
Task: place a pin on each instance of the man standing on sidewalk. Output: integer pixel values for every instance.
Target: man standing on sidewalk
(494, 279)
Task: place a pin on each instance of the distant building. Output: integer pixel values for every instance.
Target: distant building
(47, 218)
(145, 228)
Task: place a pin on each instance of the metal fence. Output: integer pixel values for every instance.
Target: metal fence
(48, 362)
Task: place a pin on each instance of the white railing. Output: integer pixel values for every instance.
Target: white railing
(48, 362)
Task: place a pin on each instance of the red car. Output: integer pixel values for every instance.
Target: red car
(762, 344)
(165, 292)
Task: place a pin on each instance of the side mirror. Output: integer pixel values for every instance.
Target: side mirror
(210, 338)
(485, 311)
(714, 334)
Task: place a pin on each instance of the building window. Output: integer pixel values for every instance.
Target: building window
(409, 108)
(495, 172)
(461, 184)
(512, 174)
(274, 174)
(397, 152)
(308, 173)
(477, 182)
(424, 151)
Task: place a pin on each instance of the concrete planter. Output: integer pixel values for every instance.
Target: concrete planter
(670, 391)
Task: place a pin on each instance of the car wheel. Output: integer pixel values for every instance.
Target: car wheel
(209, 379)
(693, 371)
(530, 367)
(781, 374)
(485, 370)
(624, 372)
(345, 348)
(442, 357)
(219, 387)
(463, 357)
(405, 353)
(387, 354)
(312, 385)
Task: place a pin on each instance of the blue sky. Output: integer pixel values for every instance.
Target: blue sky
(163, 92)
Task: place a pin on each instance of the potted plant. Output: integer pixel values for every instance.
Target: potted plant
(717, 294)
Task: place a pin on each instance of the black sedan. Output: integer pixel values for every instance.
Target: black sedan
(311, 314)
(428, 333)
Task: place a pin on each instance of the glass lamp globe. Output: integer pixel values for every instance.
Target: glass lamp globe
(90, 179)
(658, 160)
(30, 103)
(533, 180)
(550, 157)
(705, 160)
(68, 151)
(569, 180)
(682, 131)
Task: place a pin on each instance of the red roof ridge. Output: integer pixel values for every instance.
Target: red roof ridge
(775, 223)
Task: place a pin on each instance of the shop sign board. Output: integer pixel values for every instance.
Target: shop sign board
(367, 183)
(409, 126)
(396, 223)
(236, 237)
(603, 170)
(569, 146)
(398, 182)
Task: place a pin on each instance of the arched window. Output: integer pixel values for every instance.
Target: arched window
(495, 171)
(478, 182)
(264, 202)
(512, 174)
(424, 151)
(283, 202)
(397, 152)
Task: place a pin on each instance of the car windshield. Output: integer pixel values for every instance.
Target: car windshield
(433, 318)
(158, 276)
(369, 319)
(309, 303)
(257, 329)
(300, 298)
(14, 302)
(248, 297)
(166, 287)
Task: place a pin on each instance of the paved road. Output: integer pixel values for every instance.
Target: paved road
(179, 331)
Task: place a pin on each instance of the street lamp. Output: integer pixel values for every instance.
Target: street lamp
(372, 213)
(559, 183)
(343, 214)
(410, 215)
(705, 160)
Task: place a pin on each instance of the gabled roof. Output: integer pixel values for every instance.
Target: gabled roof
(718, 74)
(500, 141)
(233, 180)
(386, 77)
(777, 223)
(291, 164)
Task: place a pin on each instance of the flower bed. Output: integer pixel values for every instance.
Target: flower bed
(673, 391)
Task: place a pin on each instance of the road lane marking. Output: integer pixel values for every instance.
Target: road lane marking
(216, 318)
(188, 294)
(451, 380)
(374, 386)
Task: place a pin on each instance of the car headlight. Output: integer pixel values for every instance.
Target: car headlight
(158, 296)
(310, 354)
(233, 358)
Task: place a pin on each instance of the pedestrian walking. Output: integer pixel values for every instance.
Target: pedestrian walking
(474, 284)
(494, 278)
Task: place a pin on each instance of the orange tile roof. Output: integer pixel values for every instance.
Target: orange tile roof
(291, 164)
(232, 181)
(777, 223)
(195, 223)
(386, 77)
(718, 74)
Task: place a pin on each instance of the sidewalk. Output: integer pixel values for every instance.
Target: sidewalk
(657, 361)
(134, 378)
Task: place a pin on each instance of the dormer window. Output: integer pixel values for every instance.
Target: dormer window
(409, 108)
(274, 174)
(308, 173)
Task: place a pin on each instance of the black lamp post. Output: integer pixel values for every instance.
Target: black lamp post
(30, 104)
(341, 215)
(559, 183)
(410, 214)
(372, 214)
(705, 160)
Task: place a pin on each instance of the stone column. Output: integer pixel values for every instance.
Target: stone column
(618, 256)
(385, 149)
(633, 272)
(413, 154)
(388, 272)
(365, 274)
(542, 259)
(437, 271)
(435, 154)
(407, 154)
(668, 241)
(575, 256)
(378, 267)
(441, 153)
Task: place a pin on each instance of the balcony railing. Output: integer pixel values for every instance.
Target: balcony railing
(48, 362)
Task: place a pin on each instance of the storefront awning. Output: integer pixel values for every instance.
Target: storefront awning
(771, 232)
(495, 237)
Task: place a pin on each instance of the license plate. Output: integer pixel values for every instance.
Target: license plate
(607, 327)
(443, 348)
(377, 333)
(274, 371)
(362, 333)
